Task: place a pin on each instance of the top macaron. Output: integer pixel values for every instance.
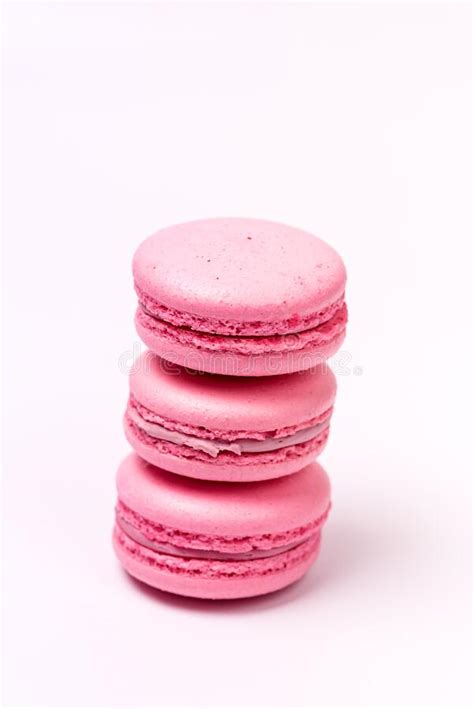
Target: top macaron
(241, 297)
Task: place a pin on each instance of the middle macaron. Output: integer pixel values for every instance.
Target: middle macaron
(235, 429)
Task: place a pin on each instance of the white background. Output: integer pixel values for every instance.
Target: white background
(352, 121)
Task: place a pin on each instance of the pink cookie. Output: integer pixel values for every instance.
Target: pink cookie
(218, 540)
(217, 427)
(240, 297)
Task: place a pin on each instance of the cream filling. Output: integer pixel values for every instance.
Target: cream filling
(183, 552)
(214, 447)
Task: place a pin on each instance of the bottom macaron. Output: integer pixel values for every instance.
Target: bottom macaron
(218, 540)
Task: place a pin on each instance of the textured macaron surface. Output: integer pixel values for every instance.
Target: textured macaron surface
(218, 540)
(227, 428)
(219, 515)
(218, 406)
(239, 277)
(147, 564)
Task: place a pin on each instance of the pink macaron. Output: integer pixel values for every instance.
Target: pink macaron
(218, 427)
(240, 297)
(214, 539)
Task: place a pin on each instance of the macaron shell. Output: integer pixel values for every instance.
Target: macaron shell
(223, 508)
(231, 403)
(237, 473)
(205, 581)
(166, 345)
(239, 269)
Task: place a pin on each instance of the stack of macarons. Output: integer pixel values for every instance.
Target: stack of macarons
(230, 406)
